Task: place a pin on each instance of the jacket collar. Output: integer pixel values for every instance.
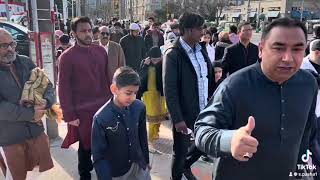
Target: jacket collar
(117, 109)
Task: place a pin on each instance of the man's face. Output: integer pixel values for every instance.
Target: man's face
(104, 36)
(196, 33)
(176, 32)
(150, 22)
(84, 34)
(7, 48)
(206, 38)
(282, 53)
(246, 33)
(217, 73)
(134, 33)
(155, 28)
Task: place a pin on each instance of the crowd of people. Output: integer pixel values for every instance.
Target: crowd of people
(252, 111)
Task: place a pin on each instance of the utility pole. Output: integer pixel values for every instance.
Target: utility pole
(301, 12)
(7, 10)
(248, 11)
(42, 24)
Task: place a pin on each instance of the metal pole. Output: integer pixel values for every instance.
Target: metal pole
(65, 12)
(78, 8)
(258, 14)
(248, 11)
(34, 16)
(72, 9)
(7, 10)
(301, 14)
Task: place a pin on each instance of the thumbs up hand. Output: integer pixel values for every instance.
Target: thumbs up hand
(243, 145)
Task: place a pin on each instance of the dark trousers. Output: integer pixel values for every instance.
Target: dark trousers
(184, 155)
(84, 163)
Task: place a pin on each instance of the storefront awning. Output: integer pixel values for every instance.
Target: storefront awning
(235, 15)
(273, 14)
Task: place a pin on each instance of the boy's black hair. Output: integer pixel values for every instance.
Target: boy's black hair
(151, 18)
(95, 29)
(243, 23)
(64, 39)
(233, 29)
(284, 22)
(154, 52)
(117, 24)
(126, 76)
(77, 20)
(206, 31)
(217, 63)
(317, 31)
(190, 20)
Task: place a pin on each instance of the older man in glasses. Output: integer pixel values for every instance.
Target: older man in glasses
(23, 144)
(115, 53)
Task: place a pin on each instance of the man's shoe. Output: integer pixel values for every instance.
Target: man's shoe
(188, 174)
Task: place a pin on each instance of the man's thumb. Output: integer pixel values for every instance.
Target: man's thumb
(250, 126)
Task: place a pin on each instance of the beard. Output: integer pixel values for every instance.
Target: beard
(84, 41)
(9, 58)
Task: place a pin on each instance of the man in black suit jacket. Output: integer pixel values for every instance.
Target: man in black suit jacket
(242, 54)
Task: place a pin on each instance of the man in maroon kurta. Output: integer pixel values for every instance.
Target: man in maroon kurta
(83, 89)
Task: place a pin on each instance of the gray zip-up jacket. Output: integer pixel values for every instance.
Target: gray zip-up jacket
(15, 120)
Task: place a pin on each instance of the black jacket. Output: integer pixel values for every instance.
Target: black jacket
(219, 49)
(180, 84)
(237, 57)
(119, 138)
(134, 50)
(149, 41)
(15, 119)
(143, 73)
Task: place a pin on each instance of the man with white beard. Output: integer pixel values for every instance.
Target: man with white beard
(23, 144)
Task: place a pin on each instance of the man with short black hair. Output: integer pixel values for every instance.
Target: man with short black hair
(83, 89)
(117, 33)
(258, 125)
(187, 83)
(154, 37)
(241, 54)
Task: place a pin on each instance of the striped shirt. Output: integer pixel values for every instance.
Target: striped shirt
(200, 66)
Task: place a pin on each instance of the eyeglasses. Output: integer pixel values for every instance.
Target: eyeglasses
(105, 33)
(5, 46)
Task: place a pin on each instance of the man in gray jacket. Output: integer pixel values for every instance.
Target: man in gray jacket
(23, 144)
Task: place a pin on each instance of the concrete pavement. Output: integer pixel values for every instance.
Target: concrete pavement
(65, 160)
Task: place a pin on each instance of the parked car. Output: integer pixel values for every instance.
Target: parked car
(19, 34)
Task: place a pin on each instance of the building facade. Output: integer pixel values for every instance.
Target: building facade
(267, 10)
(139, 10)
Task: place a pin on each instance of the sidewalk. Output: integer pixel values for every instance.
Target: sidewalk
(65, 160)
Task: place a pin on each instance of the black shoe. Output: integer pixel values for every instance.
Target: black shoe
(86, 177)
(188, 174)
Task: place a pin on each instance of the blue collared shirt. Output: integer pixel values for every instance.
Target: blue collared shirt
(119, 138)
(200, 66)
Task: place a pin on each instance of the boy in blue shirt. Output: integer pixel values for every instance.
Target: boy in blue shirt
(119, 135)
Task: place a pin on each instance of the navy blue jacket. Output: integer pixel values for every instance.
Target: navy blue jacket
(119, 138)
